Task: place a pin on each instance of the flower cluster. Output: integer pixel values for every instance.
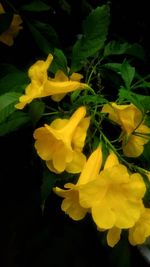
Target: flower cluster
(107, 188)
(7, 37)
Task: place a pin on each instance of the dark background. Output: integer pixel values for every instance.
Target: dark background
(29, 238)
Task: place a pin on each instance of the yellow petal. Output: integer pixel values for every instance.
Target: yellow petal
(54, 87)
(58, 97)
(76, 76)
(92, 167)
(77, 163)
(111, 161)
(134, 147)
(103, 216)
(79, 134)
(113, 236)
(70, 205)
(44, 144)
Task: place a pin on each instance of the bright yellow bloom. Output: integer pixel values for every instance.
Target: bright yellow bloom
(42, 86)
(141, 230)
(137, 234)
(114, 196)
(113, 236)
(61, 143)
(70, 204)
(129, 117)
(8, 36)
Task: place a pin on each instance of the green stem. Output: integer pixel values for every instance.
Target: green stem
(131, 166)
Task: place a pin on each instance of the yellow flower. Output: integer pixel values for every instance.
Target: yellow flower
(141, 230)
(114, 196)
(129, 117)
(137, 234)
(38, 76)
(70, 204)
(7, 37)
(42, 86)
(61, 143)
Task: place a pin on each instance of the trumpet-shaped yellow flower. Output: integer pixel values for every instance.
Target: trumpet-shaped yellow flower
(70, 204)
(114, 196)
(42, 86)
(141, 230)
(129, 117)
(61, 143)
(137, 234)
(7, 37)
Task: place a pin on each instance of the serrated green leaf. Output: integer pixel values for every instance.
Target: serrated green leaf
(95, 29)
(36, 109)
(14, 122)
(127, 73)
(36, 6)
(7, 102)
(115, 48)
(14, 81)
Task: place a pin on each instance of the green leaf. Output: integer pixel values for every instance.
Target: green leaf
(65, 6)
(14, 81)
(6, 68)
(5, 21)
(7, 102)
(117, 48)
(44, 35)
(95, 30)
(74, 95)
(60, 60)
(141, 101)
(91, 99)
(113, 66)
(48, 182)
(127, 73)
(36, 6)
(36, 109)
(14, 122)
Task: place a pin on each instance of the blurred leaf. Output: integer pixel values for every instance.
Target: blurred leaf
(91, 99)
(5, 21)
(74, 95)
(14, 122)
(36, 6)
(36, 109)
(7, 102)
(127, 73)
(136, 50)
(95, 29)
(117, 48)
(113, 66)
(48, 182)
(44, 35)
(7, 68)
(65, 6)
(14, 81)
